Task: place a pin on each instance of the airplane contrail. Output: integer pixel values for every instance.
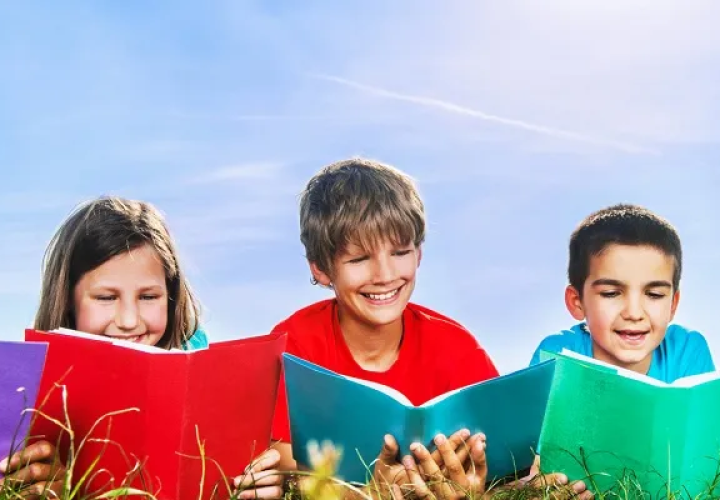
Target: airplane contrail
(510, 122)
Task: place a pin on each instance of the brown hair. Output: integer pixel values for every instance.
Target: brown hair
(621, 224)
(358, 201)
(94, 233)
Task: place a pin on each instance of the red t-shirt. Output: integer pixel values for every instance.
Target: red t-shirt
(437, 355)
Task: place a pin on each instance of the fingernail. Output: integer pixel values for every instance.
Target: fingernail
(562, 479)
(407, 461)
(578, 486)
(414, 446)
(465, 433)
(439, 439)
(386, 440)
(3, 464)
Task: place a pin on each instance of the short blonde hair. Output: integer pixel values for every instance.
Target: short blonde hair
(93, 234)
(362, 202)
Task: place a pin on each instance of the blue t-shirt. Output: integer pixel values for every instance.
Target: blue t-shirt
(198, 340)
(681, 353)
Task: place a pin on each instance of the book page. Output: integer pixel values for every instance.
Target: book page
(389, 391)
(118, 342)
(694, 380)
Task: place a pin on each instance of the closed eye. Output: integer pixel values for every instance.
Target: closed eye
(149, 297)
(357, 260)
(105, 298)
(401, 253)
(656, 295)
(610, 294)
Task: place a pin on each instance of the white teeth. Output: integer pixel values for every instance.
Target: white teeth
(384, 296)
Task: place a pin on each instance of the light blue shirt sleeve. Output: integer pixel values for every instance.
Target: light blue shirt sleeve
(575, 339)
(198, 340)
(696, 356)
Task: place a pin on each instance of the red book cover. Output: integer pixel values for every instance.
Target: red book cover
(143, 417)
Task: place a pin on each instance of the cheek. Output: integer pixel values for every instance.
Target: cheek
(91, 318)
(155, 316)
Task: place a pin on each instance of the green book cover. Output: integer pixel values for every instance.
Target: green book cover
(624, 432)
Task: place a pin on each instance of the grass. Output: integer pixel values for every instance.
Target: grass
(320, 482)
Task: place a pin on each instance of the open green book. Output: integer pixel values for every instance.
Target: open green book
(355, 415)
(619, 430)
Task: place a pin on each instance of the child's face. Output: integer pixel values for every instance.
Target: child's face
(628, 301)
(373, 288)
(125, 298)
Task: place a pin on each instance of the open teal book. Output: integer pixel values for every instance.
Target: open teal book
(620, 430)
(355, 414)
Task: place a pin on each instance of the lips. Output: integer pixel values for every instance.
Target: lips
(633, 337)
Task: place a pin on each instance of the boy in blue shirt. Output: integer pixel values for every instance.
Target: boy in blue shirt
(624, 270)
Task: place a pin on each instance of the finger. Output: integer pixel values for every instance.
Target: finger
(478, 469)
(267, 460)
(396, 492)
(40, 491)
(36, 452)
(263, 478)
(34, 473)
(549, 480)
(457, 441)
(389, 451)
(453, 465)
(265, 492)
(428, 468)
(416, 481)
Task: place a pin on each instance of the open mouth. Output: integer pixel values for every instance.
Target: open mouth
(382, 297)
(632, 336)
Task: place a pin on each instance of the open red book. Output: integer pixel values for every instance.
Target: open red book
(143, 412)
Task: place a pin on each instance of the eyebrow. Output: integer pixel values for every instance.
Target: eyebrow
(618, 283)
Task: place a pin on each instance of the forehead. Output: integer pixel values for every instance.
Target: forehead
(141, 266)
(632, 263)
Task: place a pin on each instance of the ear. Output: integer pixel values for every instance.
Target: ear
(573, 302)
(419, 258)
(320, 276)
(675, 302)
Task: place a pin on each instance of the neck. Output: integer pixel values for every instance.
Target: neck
(374, 348)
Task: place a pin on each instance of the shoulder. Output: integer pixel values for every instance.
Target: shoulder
(680, 338)
(308, 325)
(576, 339)
(315, 314)
(198, 340)
(434, 325)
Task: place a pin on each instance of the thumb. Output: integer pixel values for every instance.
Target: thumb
(389, 451)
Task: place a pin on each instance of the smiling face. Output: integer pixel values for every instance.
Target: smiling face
(126, 298)
(628, 301)
(372, 287)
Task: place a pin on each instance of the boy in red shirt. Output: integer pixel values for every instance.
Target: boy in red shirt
(362, 225)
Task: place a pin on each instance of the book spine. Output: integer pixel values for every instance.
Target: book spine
(415, 430)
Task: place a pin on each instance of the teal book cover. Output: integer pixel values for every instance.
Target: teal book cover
(627, 433)
(355, 414)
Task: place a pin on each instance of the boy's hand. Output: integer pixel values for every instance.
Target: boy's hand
(261, 478)
(555, 484)
(457, 475)
(36, 470)
(389, 471)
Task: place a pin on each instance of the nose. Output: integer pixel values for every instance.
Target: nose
(633, 309)
(384, 271)
(127, 316)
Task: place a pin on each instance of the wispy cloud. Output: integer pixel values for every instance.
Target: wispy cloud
(451, 107)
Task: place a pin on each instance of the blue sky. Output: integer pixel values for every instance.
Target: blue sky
(517, 118)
